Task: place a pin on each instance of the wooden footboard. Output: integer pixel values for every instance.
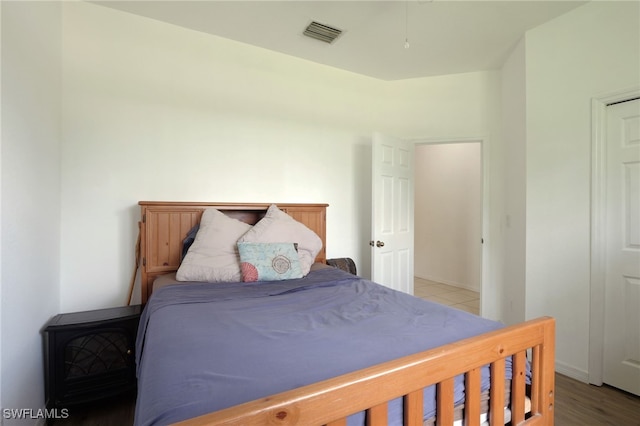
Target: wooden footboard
(331, 401)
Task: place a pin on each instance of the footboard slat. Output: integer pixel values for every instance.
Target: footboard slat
(336, 398)
(472, 390)
(414, 408)
(518, 387)
(340, 422)
(377, 415)
(444, 402)
(496, 393)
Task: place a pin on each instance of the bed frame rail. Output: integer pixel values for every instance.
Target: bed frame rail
(331, 401)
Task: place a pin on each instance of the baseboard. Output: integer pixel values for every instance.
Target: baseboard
(574, 373)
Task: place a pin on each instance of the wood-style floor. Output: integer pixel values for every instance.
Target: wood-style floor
(577, 404)
(580, 404)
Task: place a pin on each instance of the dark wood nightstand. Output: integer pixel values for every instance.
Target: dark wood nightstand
(90, 355)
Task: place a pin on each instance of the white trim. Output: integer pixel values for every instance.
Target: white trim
(598, 227)
(484, 144)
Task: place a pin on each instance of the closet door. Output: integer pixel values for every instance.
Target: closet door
(622, 271)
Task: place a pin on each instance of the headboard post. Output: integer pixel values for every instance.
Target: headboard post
(165, 224)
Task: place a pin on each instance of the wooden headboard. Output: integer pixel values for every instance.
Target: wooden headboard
(165, 224)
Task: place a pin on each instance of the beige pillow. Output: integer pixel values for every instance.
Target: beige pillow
(278, 227)
(213, 256)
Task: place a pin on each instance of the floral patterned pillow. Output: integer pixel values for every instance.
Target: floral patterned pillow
(269, 261)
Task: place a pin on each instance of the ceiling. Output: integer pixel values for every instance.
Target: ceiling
(444, 36)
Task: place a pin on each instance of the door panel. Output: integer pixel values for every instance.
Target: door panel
(392, 213)
(622, 270)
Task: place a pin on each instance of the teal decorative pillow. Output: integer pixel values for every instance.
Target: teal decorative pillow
(269, 261)
(277, 226)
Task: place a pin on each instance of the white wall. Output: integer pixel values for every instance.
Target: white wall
(448, 213)
(591, 51)
(154, 111)
(30, 196)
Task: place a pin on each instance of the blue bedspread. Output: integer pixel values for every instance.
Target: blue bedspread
(204, 347)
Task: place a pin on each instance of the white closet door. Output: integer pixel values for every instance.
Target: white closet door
(622, 273)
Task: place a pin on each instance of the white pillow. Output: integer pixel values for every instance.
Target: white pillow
(213, 256)
(278, 227)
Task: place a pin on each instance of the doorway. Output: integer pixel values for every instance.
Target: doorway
(449, 212)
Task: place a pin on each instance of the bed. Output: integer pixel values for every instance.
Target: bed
(327, 347)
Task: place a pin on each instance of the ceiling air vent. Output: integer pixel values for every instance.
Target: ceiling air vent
(322, 32)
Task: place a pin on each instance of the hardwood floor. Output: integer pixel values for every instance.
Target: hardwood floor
(580, 404)
(577, 404)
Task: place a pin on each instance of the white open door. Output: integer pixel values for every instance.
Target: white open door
(392, 213)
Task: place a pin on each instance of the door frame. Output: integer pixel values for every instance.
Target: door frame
(598, 227)
(487, 304)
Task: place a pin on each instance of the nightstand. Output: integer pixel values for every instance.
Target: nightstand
(90, 355)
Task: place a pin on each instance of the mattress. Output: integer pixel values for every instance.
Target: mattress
(204, 347)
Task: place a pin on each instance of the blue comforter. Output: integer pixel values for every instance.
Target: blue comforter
(204, 347)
